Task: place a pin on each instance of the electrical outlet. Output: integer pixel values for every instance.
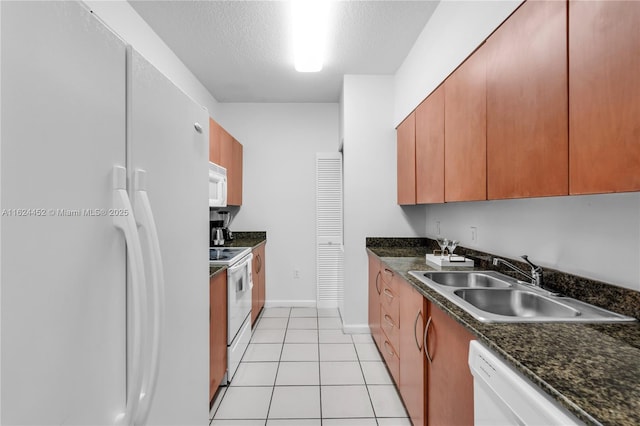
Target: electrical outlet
(296, 274)
(437, 227)
(474, 234)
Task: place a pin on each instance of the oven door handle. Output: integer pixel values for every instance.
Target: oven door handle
(246, 263)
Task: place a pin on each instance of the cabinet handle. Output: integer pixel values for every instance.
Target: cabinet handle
(424, 341)
(389, 321)
(198, 127)
(388, 293)
(389, 271)
(378, 288)
(259, 262)
(415, 328)
(386, 343)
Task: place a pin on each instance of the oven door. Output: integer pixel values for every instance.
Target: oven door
(239, 284)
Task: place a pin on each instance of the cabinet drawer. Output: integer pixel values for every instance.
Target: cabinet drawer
(391, 326)
(387, 274)
(390, 300)
(391, 357)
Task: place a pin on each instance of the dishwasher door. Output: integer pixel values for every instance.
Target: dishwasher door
(504, 397)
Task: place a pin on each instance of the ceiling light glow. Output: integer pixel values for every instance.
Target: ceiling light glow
(310, 22)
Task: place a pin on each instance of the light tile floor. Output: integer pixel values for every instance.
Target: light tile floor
(300, 369)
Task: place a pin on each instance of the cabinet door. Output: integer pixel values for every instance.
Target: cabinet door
(430, 149)
(465, 131)
(255, 291)
(406, 134)
(450, 388)
(261, 277)
(217, 331)
(215, 142)
(527, 113)
(258, 277)
(604, 107)
(235, 174)
(375, 288)
(412, 362)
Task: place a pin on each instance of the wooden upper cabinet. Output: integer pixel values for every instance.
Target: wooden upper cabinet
(604, 96)
(527, 113)
(430, 148)
(406, 134)
(465, 130)
(215, 138)
(227, 152)
(234, 175)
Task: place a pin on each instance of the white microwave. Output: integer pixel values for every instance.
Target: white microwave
(217, 185)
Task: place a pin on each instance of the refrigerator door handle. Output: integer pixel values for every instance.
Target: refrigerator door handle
(127, 224)
(146, 221)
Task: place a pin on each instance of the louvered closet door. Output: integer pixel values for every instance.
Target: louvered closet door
(329, 231)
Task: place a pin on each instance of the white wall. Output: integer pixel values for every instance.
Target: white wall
(455, 29)
(594, 236)
(280, 142)
(370, 207)
(573, 234)
(125, 21)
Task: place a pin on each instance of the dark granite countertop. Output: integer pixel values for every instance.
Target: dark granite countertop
(247, 239)
(241, 239)
(591, 369)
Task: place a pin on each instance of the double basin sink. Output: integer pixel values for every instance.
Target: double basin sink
(490, 296)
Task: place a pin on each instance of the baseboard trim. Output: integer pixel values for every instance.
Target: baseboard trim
(290, 304)
(356, 329)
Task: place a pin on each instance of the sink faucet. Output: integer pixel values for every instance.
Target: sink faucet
(536, 271)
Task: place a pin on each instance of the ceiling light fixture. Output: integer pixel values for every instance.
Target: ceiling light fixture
(310, 22)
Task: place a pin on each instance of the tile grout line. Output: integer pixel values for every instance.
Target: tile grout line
(375, 415)
(275, 379)
(319, 367)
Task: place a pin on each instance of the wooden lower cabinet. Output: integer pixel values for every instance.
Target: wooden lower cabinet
(259, 282)
(375, 288)
(449, 380)
(439, 392)
(413, 367)
(217, 331)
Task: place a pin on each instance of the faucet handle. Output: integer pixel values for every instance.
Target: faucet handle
(533, 265)
(536, 271)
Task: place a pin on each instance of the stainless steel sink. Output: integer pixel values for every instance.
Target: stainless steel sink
(490, 296)
(466, 279)
(515, 303)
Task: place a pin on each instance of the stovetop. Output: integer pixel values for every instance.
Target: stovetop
(227, 255)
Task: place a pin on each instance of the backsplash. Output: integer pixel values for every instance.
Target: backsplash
(608, 296)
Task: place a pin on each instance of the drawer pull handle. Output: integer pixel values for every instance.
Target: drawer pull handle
(389, 321)
(388, 293)
(388, 271)
(415, 329)
(378, 288)
(424, 341)
(386, 345)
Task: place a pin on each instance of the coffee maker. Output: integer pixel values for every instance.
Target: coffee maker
(216, 233)
(226, 221)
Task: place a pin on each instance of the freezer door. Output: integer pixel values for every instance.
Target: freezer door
(168, 139)
(62, 260)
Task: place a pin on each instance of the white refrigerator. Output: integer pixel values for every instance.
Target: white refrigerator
(104, 303)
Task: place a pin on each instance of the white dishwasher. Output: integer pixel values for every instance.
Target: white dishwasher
(504, 397)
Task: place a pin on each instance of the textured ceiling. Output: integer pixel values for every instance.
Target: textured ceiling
(241, 50)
